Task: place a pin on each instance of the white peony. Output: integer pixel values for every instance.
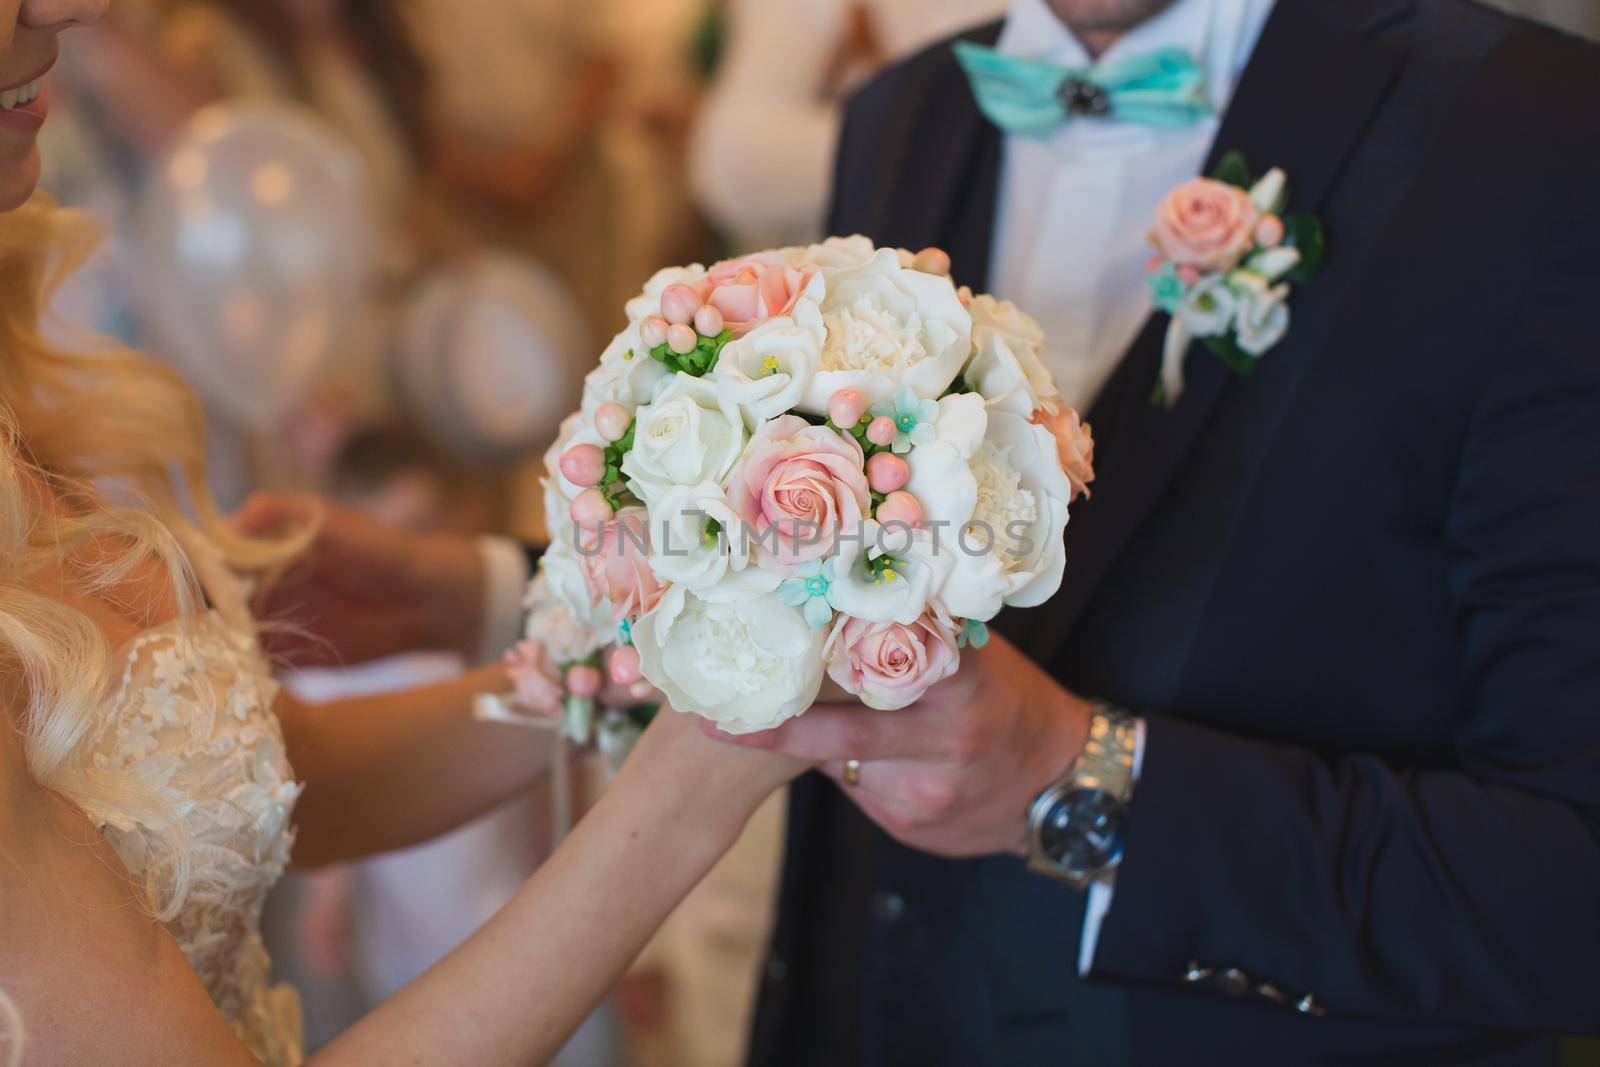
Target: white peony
(1013, 550)
(627, 374)
(889, 327)
(840, 253)
(767, 371)
(1007, 365)
(889, 573)
(648, 302)
(710, 560)
(687, 435)
(746, 666)
(941, 472)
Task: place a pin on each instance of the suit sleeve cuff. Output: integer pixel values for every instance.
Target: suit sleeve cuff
(506, 570)
(1100, 892)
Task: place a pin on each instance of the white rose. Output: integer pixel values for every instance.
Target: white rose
(561, 568)
(746, 666)
(1207, 309)
(552, 624)
(686, 436)
(889, 573)
(1262, 320)
(889, 327)
(626, 375)
(1013, 551)
(648, 302)
(713, 562)
(1007, 365)
(766, 371)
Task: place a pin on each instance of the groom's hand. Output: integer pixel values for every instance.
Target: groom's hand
(361, 589)
(954, 773)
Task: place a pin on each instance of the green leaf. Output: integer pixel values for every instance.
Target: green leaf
(1304, 232)
(1236, 359)
(1234, 170)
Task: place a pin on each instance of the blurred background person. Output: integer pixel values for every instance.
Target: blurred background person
(761, 161)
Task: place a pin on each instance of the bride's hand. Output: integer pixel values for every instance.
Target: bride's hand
(724, 779)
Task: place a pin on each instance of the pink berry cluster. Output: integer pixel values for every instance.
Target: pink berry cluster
(887, 473)
(599, 470)
(584, 680)
(689, 333)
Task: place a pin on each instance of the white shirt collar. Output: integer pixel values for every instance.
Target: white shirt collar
(1220, 34)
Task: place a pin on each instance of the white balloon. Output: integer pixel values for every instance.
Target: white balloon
(256, 245)
(489, 351)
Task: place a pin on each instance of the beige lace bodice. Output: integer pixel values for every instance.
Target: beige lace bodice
(192, 712)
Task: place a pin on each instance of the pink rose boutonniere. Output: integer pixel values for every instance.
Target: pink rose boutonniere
(1226, 258)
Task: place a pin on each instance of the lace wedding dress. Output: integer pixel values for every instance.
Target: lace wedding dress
(193, 711)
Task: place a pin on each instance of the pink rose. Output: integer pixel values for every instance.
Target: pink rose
(615, 564)
(1205, 224)
(749, 291)
(533, 677)
(888, 664)
(804, 482)
(1074, 446)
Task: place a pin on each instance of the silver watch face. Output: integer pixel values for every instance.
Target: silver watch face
(1081, 832)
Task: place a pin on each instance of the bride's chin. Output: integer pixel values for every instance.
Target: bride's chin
(18, 179)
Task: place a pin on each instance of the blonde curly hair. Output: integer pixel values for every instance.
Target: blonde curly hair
(103, 456)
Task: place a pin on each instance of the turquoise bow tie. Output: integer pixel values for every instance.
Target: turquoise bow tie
(1165, 89)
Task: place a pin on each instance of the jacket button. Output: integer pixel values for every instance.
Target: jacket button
(888, 907)
(1272, 993)
(1307, 1005)
(777, 970)
(1231, 981)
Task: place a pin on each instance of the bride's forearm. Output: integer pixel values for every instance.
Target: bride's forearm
(517, 989)
(387, 771)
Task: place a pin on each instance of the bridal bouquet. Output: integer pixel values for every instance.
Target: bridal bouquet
(824, 460)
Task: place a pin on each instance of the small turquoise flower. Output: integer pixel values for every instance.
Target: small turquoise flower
(1166, 288)
(809, 591)
(913, 419)
(625, 632)
(973, 633)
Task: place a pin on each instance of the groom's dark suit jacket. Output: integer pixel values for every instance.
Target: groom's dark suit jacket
(1357, 596)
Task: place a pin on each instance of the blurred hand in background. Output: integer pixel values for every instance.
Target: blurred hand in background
(363, 589)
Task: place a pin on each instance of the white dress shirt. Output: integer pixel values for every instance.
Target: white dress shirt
(1076, 207)
(1075, 210)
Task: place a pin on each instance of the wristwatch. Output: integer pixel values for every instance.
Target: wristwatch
(1076, 823)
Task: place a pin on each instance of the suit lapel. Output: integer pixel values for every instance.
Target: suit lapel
(1313, 85)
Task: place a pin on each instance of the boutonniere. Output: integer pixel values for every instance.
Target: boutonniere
(1226, 261)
